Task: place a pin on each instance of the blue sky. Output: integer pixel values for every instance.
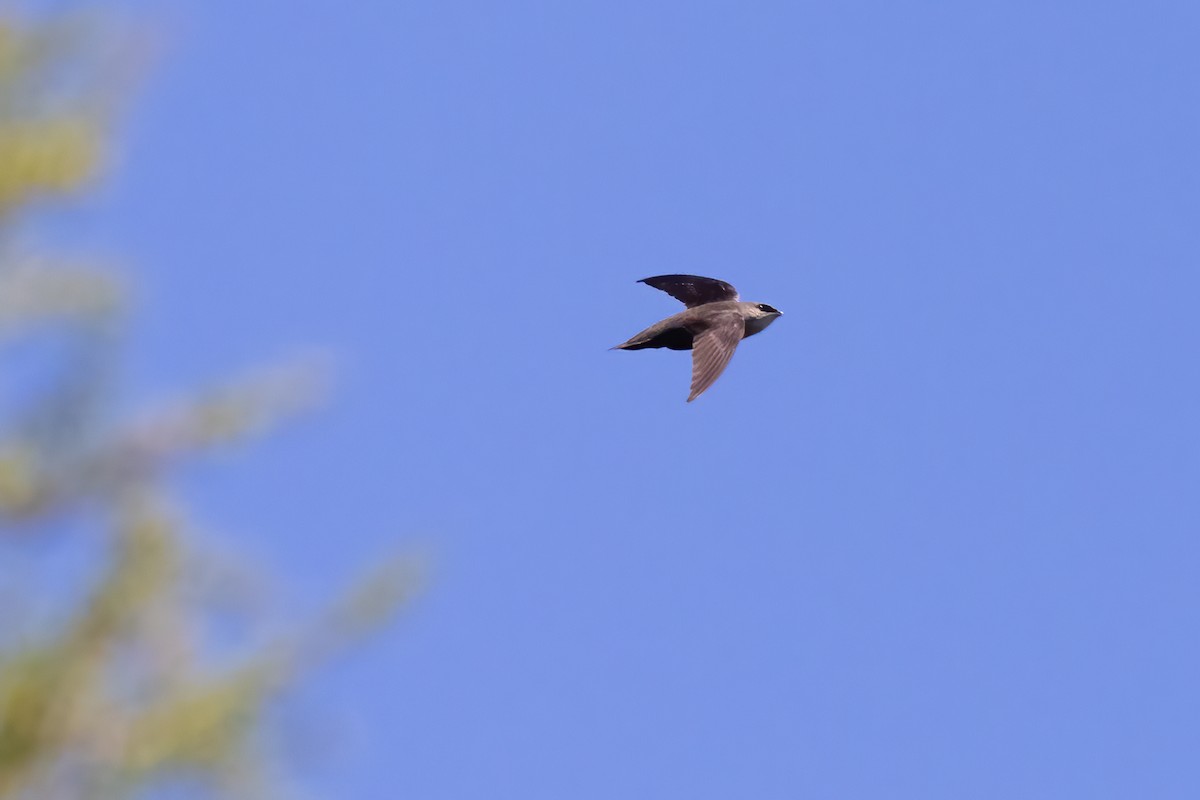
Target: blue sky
(932, 535)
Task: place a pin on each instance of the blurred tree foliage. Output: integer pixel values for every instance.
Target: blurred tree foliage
(116, 686)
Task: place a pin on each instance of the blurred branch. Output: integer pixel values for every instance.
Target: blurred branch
(125, 689)
(33, 292)
(135, 452)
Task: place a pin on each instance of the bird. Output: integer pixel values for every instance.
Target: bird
(711, 326)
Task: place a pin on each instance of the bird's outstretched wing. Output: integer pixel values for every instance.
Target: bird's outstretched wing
(712, 350)
(692, 290)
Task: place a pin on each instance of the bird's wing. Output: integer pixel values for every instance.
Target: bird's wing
(712, 350)
(692, 290)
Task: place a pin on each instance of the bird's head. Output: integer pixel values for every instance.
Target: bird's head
(758, 316)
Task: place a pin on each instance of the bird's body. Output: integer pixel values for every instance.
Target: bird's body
(678, 332)
(712, 325)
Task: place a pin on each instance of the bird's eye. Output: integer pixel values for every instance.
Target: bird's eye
(765, 307)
